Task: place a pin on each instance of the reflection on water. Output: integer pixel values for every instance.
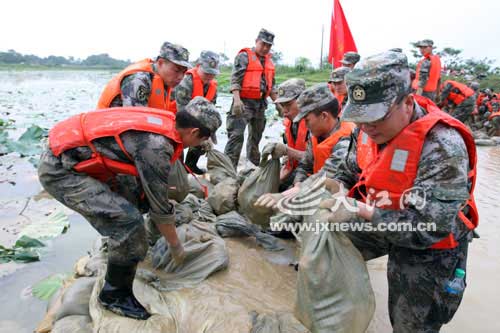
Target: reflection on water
(44, 97)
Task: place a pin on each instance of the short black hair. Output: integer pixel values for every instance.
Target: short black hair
(184, 119)
(332, 108)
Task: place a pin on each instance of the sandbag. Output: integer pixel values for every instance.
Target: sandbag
(202, 211)
(334, 292)
(275, 323)
(195, 186)
(205, 254)
(243, 174)
(223, 197)
(73, 324)
(94, 263)
(233, 224)
(263, 180)
(219, 167)
(183, 214)
(178, 183)
(496, 139)
(75, 300)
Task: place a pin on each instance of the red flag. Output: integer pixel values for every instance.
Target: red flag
(341, 40)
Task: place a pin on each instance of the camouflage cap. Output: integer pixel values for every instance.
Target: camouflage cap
(338, 74)
(206, 113)
(374, 85)
(266, 36)
(290, 90)
(424, 43)
(350, 58)
(209, 62)
(396, 49)
(175, 53)
(314, 98)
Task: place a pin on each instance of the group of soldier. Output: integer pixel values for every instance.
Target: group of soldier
(369, 130)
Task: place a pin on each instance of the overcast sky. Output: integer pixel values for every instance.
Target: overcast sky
(136, 29)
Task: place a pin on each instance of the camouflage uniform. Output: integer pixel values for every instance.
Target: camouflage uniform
(209, 63)
(350, 58)
(115, 209)
(425, 70)
(253, 115)
(318, 97)
(136, 88)
(416, 274)
(463, 111)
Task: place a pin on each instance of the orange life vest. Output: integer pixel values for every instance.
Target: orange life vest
(489, 105)
(250, 87)
(299, 144)
(158, 99)
(323, 150)
(434, 74)
(463, 93)
(80, 130)
(394, 169)
(198, 85)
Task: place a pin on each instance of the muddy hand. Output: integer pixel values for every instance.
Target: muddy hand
(268, 200)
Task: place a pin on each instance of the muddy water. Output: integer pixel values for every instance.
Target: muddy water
(45, 97)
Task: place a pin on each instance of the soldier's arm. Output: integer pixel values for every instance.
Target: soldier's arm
(425, 69)
(346, 169)
(152, 154)
(239, 69)
(444, 94)
(442, 176)
(183, 92)
(136, 89)
(305, 166)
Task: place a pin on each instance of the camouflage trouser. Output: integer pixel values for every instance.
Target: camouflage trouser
(464, 110)
(416, 279)
(110, 213)
(256, 121)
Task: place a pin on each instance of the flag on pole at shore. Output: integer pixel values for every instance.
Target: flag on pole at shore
(341, 40)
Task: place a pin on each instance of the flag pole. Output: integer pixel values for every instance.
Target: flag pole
(322, 38)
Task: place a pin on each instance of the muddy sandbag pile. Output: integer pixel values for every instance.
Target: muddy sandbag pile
(334, 292)
(201, 209)
(178, 183)
(219, 167)
(198, 186)
(233, 224)
(485, 142)
(227, 301)
(223, 197)
(264, 179)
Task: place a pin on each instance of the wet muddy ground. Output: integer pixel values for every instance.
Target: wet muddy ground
(45, 97)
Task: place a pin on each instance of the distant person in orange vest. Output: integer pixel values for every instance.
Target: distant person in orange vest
(350, 59)
(252, 81)
(148, 82)
(459, 99)
(338, 86)
(296, 134)
(198, 81)
(328, 144)
(83, 168)
(428, 73)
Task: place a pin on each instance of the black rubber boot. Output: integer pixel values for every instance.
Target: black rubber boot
(192, 158)
(116, 294)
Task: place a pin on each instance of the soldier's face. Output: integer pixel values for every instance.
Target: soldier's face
(425, 50)
(320, 125)
(385, 129)
(170, 73)
(340, 87)
(205, 77)
(190, 137)
(290, 109)
(262, 48)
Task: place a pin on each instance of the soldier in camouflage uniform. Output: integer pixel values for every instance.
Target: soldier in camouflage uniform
(338, 82)
(207, 69)
(171, 64)
(462, 111)
(350, 59)
(249, 111)
(425, 71)
(381, 106)
(115, 208)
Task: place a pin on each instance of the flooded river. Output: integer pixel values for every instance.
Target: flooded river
(44, 97)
